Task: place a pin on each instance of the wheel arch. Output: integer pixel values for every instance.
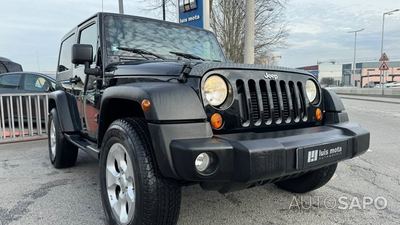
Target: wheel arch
(116, 108)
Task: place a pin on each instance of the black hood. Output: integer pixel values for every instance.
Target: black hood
(153, 68)
(174, 68)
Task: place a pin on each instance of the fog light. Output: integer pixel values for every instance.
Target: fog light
(202, 162)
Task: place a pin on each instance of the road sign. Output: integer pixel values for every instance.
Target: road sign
(384, 66)
(384, 58)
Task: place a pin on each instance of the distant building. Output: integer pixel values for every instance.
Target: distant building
(370, 72)
(365, 72)
(311, 69)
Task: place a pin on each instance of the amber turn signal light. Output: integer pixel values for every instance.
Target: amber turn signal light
(216, 121)
(318, 113)
(146, 105)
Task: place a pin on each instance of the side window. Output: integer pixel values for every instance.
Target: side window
(65, 54)
(10, 81)
(35, 83)
(89, 36)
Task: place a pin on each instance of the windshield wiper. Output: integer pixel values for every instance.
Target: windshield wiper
(140, 52)
(187, 55)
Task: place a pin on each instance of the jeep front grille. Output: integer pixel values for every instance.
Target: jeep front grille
(266, 102)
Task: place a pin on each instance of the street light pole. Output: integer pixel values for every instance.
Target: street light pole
(383, 29)
(354, 59)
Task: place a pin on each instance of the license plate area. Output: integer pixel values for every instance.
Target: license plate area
(321, 154)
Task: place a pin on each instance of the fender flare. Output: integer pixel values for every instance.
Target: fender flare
(334, 108)
(332, 101)
(67, 110)
(170, 102)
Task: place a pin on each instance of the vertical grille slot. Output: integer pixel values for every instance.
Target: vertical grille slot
(285, 99)
(241, 93)
(275, 100)
(264, 97)
(295, 108)
(255, 109)
(303, 113)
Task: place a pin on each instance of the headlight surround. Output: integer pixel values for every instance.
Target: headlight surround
(311, 90)
(215, 90)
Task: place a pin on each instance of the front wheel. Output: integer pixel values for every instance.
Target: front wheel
(133, 191)
(62, 152)
(309, 181)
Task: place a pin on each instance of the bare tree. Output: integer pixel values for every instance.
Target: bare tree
(155, 6)
(227, 22)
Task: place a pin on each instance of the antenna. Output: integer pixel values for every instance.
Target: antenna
(38, 65)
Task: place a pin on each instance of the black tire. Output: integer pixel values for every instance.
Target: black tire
(309, 181)
(157, 199)
(64, 153)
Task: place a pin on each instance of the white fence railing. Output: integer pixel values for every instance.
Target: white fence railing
(23, 116)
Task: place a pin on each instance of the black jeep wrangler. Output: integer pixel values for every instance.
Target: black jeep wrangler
(161, 107)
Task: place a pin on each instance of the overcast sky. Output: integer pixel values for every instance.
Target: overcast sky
(31, 30)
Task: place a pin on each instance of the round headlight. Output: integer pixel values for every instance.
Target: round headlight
(311, 90)
(215, 90)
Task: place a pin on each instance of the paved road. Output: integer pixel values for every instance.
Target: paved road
(32, 192)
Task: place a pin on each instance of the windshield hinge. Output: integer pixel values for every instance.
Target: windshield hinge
(185, 71)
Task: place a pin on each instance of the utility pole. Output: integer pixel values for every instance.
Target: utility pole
(249, 32)
(121, 6)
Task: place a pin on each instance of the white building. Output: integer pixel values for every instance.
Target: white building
(334, 71)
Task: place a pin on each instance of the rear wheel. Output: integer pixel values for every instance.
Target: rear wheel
(62, 152)
(133, 190)
(309, 181)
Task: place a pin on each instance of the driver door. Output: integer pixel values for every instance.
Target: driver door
(89, 98)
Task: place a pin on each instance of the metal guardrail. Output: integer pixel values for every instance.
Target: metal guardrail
(23, 116)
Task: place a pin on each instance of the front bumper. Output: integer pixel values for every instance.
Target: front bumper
(251, 157)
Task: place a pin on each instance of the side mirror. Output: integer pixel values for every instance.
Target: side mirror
(82, 54)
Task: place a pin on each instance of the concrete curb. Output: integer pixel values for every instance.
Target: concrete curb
(20, 139)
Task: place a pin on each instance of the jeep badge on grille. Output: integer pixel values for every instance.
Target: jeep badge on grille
(270, 76)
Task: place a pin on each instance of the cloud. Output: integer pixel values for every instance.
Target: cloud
(32, 30)
(318, 30)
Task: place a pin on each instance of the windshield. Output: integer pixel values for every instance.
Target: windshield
(159, 38)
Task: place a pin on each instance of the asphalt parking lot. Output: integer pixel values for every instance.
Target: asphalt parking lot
(364, 190)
